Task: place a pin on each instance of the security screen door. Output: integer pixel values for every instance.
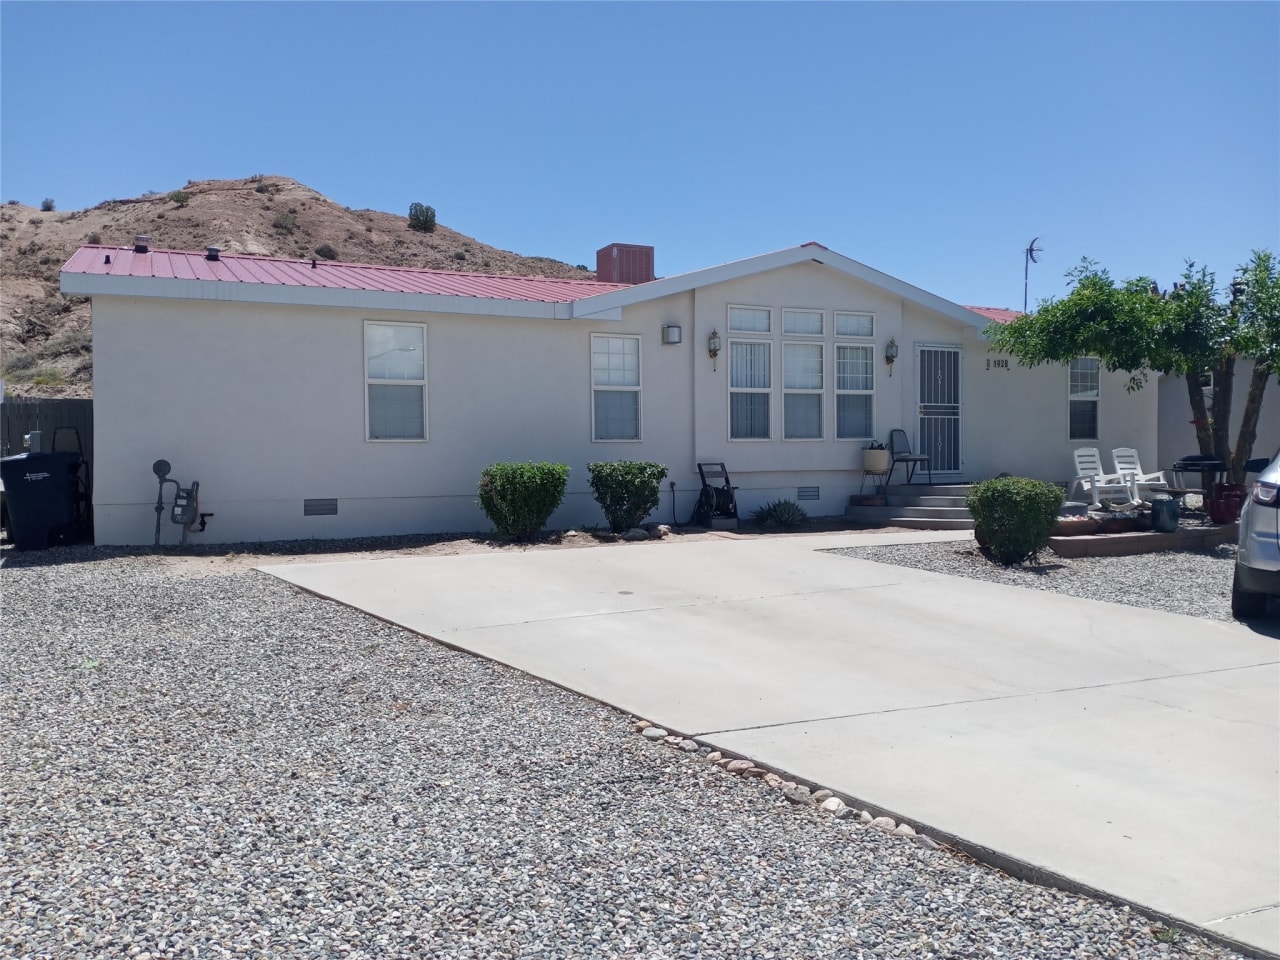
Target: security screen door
(938, 384)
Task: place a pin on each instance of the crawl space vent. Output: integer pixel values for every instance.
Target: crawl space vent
(319, 508)
(806, 493)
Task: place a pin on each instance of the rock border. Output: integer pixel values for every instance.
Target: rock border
(843, 807)
(840, 807)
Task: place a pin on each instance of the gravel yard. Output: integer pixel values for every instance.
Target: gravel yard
(1192, 582)
(214, 764)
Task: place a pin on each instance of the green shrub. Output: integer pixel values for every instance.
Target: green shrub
(1014, 516)
(627, 490)
(786, 514)
(94, 238)
(326, 252)
(285, 223)
(46, 205)
(422, 218)
(519, 498)
(179, 198)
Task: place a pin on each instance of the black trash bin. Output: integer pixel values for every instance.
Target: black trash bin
(40, 491)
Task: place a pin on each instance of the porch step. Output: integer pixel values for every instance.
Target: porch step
(896, 517)
(916, 505)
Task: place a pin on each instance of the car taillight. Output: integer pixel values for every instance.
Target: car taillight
(1265, 493)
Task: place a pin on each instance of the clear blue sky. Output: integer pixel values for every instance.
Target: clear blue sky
(931, 141)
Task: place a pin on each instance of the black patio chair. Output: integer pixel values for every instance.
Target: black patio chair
(900, 452)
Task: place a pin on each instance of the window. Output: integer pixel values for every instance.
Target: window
(802, 323)
(855, 386)
(749, 384)
(802, 391)
(855, 325)
(1082, 401)
(396, 381)
(749, 319)
(615, 387)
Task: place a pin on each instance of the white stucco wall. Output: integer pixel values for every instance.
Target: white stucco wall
(264, 405)
(1178, 435)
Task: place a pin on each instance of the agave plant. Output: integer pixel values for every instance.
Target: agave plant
(786, 514)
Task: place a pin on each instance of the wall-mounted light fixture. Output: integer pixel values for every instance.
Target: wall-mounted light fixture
(671, 333)
(890, 354)
(713, 347)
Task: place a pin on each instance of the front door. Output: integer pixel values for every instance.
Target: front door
(938, 387)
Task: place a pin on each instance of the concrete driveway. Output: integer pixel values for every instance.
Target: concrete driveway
(1131, 751)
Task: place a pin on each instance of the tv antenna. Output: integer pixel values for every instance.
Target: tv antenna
(1028, 259)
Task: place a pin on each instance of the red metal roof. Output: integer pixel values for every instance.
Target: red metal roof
(998, 314)
(238, 268)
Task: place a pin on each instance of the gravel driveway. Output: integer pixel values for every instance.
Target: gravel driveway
(219, 765)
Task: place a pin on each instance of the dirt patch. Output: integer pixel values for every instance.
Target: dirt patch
(217, 561)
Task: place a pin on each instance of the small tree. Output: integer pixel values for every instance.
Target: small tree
(422, 218)
(179, 198)
(519, 498)
(1188, 331)
(627, 490)
(47, 204)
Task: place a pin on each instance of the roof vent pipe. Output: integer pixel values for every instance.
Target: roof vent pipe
(141, 243)
(211, 253)
(313, 263)
(106, 258)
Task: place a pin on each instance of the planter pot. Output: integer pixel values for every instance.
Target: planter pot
(875, 461)
(1164, 515)
(1225, 502)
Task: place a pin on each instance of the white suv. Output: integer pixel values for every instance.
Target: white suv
(1257, 574)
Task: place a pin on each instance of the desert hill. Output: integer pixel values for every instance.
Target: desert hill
(45, 340)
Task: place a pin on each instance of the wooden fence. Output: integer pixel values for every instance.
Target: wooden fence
(20, 415)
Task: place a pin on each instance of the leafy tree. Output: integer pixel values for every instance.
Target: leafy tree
(1190, 330)
(179, 198)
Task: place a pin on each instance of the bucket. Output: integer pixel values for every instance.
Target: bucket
(1164, 515)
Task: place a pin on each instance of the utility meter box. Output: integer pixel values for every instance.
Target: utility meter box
(186, 505)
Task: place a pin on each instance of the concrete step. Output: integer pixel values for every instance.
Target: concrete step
(923, 518)
(904, 500)
(925, 490)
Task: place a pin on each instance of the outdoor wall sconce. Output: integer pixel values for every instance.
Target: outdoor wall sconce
(890, 354)
(671, 333)
(713, 347)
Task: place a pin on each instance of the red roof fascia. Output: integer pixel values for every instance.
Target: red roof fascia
(238, 268)
(998, 314)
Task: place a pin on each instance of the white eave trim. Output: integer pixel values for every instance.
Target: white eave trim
(596, 305)
(88, 284)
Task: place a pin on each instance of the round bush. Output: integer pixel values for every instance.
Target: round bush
(1014, 516)
(519, 498)
(627, 490)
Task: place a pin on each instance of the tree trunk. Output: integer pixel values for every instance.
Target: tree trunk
(1223, 381)
(1199, 414)
(1249, 421)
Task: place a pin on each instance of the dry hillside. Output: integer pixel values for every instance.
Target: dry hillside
(45, 341)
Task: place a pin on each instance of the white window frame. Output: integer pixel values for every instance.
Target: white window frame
(866, 344)
(1095, 397)
(767, 311)
(822, 322)
(368, 381)
(638, 389)
(820, 391)
(768, 391)
(835, 324)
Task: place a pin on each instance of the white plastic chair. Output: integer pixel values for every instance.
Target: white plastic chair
(1090, 477)
(1126, 463)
